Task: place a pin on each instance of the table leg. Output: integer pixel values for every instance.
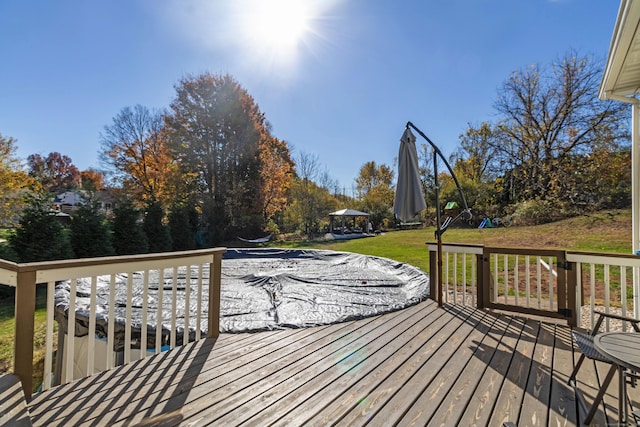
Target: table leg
(622, 397)
(600, 395)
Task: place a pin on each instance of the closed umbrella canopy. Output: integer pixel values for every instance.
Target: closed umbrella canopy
(409, 200)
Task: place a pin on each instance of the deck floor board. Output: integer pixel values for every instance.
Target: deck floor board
(423, 365)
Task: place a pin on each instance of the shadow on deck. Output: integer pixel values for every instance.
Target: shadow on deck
(421, 365)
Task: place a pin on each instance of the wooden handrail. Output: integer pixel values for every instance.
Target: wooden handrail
(25, 276)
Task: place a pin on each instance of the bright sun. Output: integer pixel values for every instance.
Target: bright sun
(277, 27)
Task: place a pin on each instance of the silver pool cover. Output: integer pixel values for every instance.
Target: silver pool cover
(261, 289)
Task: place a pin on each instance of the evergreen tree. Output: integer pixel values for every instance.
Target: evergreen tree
(128, 236)
(90, 234)
(156, 231)
(40, 236)
(183, 230)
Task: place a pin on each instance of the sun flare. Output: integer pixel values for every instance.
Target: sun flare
(277, 27)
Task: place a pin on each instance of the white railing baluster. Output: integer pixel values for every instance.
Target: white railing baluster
(159, 311)
(455, 277)
(464, 280)
(592, 284)
(145, 308)
(92, 326)
(187, 304)
(71, 328)
(48, 355)
(623, 293)
(579, 292)
(539, 281)
(607, 290)
(527, 263)
(474, 282)
(112, 319)
(127, 325)
(174, 305)
(445, 279)
(551, 293)
(516, 285)
(199, 303)
(505, 269)
(495, 277)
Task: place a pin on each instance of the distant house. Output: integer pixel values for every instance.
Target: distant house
(68, 201)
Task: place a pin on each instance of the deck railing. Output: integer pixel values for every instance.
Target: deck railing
(550, 283)
(118, 272)
(560, 284)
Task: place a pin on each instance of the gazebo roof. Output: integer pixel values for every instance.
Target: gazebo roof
(348, 212)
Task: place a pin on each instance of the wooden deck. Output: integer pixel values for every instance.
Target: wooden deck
(419, 366)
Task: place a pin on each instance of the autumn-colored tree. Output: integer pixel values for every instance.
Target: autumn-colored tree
(91, 180)
(309, 207)
(374, 185)
(15, 185)
(309, 203)
(372, 175)
(276, 173)
(215, 128)
(136, 153)
(56, 172)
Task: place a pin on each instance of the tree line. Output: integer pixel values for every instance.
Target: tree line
(207, 169)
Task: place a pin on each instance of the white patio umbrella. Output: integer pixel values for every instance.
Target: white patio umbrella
(409, 199)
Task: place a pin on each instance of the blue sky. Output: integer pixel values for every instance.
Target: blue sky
(341, 87)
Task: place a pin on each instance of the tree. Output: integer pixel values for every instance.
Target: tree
(475, 159)
(91, 180)
(371, 176)
(549, 114)
(183, 221)
(136, 152)
(90, 233)
(40, 236)
(215, 129)
(375, 190)
(158, 235)
(128, 236)
(276, 174)
(56, 173)
(309, 207)
(15, 185)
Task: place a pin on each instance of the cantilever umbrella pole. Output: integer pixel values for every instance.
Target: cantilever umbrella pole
(436, 153)
(438, 232)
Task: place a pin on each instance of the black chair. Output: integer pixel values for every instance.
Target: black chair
(588, 349)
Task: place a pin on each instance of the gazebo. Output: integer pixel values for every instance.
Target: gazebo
(346, 215)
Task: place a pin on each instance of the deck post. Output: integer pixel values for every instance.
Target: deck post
(572, 292)
(480, 281)
(433, 275)
(215, 274)
(24, 318)
(484, 278)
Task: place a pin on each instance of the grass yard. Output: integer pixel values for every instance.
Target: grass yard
(608, 231)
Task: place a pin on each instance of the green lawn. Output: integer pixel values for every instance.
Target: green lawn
(602, 232)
